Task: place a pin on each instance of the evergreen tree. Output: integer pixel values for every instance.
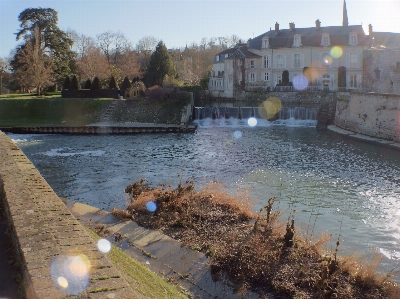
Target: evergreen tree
(74, 83)
(161, 65)
(113, 83)
(125, 84)
(53, 40)
(135, 79)
(66, 83)
(88, 84)
(95, 84)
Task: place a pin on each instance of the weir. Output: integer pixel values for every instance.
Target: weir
(298, 113)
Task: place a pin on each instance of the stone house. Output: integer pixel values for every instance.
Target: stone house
(315, 58)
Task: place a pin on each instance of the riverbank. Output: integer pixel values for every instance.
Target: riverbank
(374, 140)
(254, 250)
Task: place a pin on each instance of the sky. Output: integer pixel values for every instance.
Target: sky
(181, 22)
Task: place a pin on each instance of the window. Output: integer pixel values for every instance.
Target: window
(266, 62)
(252, 64)
(252, 77)
(217, 58)
(239, 77)
(297, 41)
(326, 60)
(354, 61)
(266, 76)
(297, 61)
(326, 80)
(239, 62)
(265, 43)
(325, 40)
(280, 61)
(354, 81)
(226, 55)
(353, 39)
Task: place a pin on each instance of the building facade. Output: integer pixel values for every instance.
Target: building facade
(315, 58)
(313, 54)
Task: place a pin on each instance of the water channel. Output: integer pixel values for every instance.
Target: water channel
(344, 187)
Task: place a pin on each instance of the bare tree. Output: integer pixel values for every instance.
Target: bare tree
(93, 64)
(4, 68)
(35, 69)
(82, 43)
(145, 47)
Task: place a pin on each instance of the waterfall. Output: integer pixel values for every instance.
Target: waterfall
(285, 113)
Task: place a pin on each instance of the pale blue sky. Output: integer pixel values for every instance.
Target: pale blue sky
(181, 22)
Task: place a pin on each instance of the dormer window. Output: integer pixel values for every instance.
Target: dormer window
(226, 55)
(325, 41)
(297, 41)
(265, 43)
(217, 58)
(353, 39)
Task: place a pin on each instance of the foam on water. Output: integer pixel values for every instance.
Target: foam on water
(64, 152)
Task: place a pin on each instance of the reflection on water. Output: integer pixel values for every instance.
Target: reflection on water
(333, 182)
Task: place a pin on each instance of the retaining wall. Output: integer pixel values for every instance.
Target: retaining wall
(44, 233)
(372, 114)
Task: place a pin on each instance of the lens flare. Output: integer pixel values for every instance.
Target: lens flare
(252, 122)
(270, 108)
(151, 206)
(104, 245)
(237, 134)
(71, 273)
(62, 282)
(336, 52)
(300, 82)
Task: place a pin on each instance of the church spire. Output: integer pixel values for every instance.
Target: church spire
(345, 19)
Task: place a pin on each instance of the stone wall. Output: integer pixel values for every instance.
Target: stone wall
(376, 69)
(48, 240)
(372, 114)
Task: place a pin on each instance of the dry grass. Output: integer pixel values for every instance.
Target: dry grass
(255, 249)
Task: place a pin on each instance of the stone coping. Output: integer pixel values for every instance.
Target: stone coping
(57, 256)
(370, 139)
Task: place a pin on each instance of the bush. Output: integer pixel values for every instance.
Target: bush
(74, 85)
(67, 82)
(113, 83)
(95, 84)
(88, 84)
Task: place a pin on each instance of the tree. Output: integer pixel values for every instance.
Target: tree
(4, 67)
(74, 83)
(113, 83)
(66, 83)
(55, 42)
(95, 84)
(88, 84)
(145, 47)
(160, 65)
(32, 65)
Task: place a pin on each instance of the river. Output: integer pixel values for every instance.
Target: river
(344, 187)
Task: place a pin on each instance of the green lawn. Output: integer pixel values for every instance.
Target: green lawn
(52, 110)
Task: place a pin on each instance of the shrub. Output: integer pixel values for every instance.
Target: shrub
(126, 84)
(95, 84)
(88, 84)
(113, 83)
(67, 82)
(74, 85)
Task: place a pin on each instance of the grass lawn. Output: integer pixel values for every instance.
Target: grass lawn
(52, 110)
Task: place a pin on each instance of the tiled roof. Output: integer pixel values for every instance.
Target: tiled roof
(339, 35)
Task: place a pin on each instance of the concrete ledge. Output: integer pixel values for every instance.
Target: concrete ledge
(44, 230)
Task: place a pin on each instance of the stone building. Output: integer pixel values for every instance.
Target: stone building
(315, 58)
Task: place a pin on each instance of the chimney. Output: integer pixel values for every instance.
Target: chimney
(370, 30)
(276, 27)
(318, 23)
(291, 26)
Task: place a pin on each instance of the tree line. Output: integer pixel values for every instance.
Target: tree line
(47, 55)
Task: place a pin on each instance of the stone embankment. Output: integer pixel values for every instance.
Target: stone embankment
(57, 257)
